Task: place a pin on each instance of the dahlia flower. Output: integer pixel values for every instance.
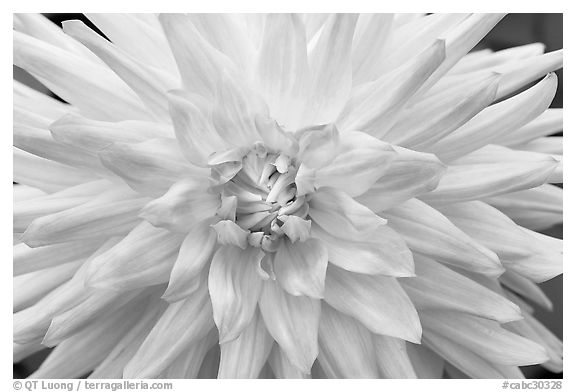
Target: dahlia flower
(244, 196)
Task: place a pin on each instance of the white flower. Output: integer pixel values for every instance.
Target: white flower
(286, 195)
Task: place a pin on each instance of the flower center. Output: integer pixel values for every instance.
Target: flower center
(259, 194)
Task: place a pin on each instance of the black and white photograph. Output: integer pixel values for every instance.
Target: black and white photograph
(243, 195)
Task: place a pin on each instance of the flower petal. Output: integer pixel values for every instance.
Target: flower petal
(548, 123)
(491, 171)
(30, 287)
(91, 87)
(318, 145)
(410, 174)
(245, 356)
(182, 323)
(430, 233)
(44, 174)
(430, 120)
(300, 268)
(91, 135)
(537, 208)
(378, 302)
(392, 357)
(234, 110)
(226, 33)
(517, 249)
(462, 358)
(112, 213)
(292, 322)
(381, 251)
(150, 167)
(28, 259)
(531, 328)
(281, 366)
(546, 145)
(186, 203)
(478, 60)
(187, 365)
(413, 36)
(346, 347)
(150, 86)
(82, 352)
(340, 215)
(195, 253)
(229, 233)
(484, 337)
(283, 67)
(99, 305)
(374, 107)
(200, 64)
(113, 365)
(438, 287)
(45, 106)
(498, 119)
(425, 362)
(460, 40)
(330, 69)
(42, 28)
(372, 31)
(143, 258)
(32, 323)
(28, 210)
(41, 143)
(527, 289)
(234, 288)
(144, 41)
(360, 161)
(193, 129)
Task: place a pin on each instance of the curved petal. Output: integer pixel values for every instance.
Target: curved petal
(300, 268)
(410, 174)
(81, 353)
(90, 86)
(293, 323)
(182, 323)
(150, 86)
(392, 357)
(491, 171)
(438, 287)
(283, 67)
(142, 258)
(150, 167)
(536, 209)
(200, 64)
(330, 69)
(144, 41)
(374, 107)
(381, 251)
(245, 356)
(340, 215)
(378, 302)
(235, 287)
(359, 162)
(430, 233)
(194, 254)
(186, 203)
(517, 249)
(193, 129)
(498, 119)
(484, 337)
(346, 347)
(112, 213)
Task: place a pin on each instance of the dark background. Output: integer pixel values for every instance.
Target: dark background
(513, 30)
